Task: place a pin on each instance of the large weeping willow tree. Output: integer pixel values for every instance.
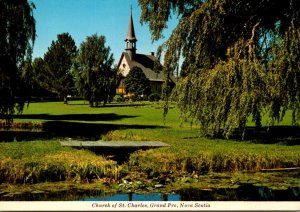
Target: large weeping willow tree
(17, 35)
(241, 59)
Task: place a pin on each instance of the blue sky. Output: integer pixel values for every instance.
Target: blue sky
(82, 18)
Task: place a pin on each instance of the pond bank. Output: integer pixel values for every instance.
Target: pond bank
(212, 187)
(159, 170)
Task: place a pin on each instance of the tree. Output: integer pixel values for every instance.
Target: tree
(17, 35)
(95, 77)
(38, 79)
(57, 68)
(136, 82)
(240, 59)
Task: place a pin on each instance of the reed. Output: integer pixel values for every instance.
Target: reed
(22, 125)
(155, 162)
(75, 165)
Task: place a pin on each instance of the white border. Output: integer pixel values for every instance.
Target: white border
(149, 206)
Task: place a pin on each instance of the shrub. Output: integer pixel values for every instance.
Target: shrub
(135, 97)
(136, 82)
(154, 97)
(118, 98)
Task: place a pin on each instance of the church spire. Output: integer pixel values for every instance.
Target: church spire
(130, 37)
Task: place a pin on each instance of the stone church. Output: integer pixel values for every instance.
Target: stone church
(147, 62)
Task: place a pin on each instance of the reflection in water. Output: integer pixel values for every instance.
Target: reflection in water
(290, 194)
(246, 192)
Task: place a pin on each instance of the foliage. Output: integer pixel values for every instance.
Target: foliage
(58, 60)
(240, 58)
(38, 79)
(118, 98)
(136, 82)
(96, 80)
(154, 97)
(17, 35)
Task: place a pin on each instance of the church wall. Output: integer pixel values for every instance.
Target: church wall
(124, 67)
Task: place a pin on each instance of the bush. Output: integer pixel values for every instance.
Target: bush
(118, 98)
(134, 98)
(154, 97)
(136, 82)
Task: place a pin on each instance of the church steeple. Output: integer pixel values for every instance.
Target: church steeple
(130, 38)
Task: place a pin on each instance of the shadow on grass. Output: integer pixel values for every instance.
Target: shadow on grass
(138, 104)
(122, 105)
(75, 117)
(65, 129)
(286, 135)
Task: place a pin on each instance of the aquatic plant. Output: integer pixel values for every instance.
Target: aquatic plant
(155, 162)
(22, 125)
(70, 166)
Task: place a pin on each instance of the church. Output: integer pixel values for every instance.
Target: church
(147, 62)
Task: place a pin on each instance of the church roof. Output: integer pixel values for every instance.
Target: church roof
(130, 33)
(148, 63)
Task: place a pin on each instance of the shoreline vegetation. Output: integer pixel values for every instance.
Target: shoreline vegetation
(33, 157)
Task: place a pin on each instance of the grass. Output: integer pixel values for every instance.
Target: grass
(37, 161)
(40, 158)
(142, 113)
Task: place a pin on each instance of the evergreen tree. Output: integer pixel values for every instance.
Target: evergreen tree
(240, 59)
(17, 35)
(136, 82)
(95, 77)
(57, 68)
(38, 79)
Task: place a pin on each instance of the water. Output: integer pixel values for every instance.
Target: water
(245, 192)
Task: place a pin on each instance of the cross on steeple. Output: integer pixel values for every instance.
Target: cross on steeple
(130, 37)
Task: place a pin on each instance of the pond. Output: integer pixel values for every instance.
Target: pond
(245, 192)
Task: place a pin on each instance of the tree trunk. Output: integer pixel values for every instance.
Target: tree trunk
(65, 100)
(91, 103)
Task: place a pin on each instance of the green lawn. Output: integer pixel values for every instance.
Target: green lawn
(142, 113)
(143, 121)
(189, 154)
